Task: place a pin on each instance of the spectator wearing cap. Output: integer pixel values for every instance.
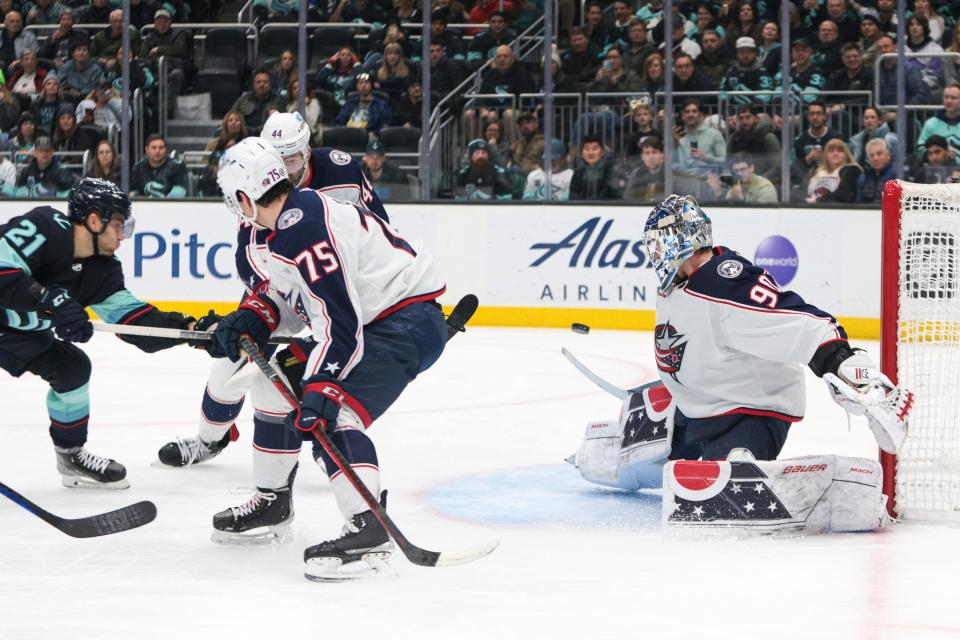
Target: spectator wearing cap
(874, 126)
(43, 177)
(9, 109)
(681, 42)
(580, 62)
(44, 11)
(389, 181)
(505, 78)
(451, 43)
(714, 60)
(255, 105)
(526, 151)
(828, 53)
(601, 36)
(869, 33)
(60, 43)
(747, 74)
(24, 137)
(80, 75)
(14, 39)
(645, 183)
(44, 109)
(173, 47)
(338, 76)
(917, 91)
(744, 24)
(638, 45)
(560, 176)
(480, 178)
(600, 177)
(853, 76)
(745, 186)
(756, 137)
(157, 175)
(687, 78)
(806, 79)
(939, 163)
(484, 45)
(880, 168)
(27, 78)
(364, 110)
(107, 42)
(945, 123)
(409, 111)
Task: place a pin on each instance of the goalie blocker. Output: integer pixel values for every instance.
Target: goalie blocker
(812, 494)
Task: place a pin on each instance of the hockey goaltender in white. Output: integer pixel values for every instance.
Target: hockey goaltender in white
(729, 348)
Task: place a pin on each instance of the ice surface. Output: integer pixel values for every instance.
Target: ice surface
(473, 451)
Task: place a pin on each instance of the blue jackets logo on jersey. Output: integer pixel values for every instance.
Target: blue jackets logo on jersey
(730, 268)
(669, 349)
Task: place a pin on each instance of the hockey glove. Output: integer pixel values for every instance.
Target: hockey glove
(207, 323)
(257, 317)
(319, 408)
(69, 318)
(861, 389)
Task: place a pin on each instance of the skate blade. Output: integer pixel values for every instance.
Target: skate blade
(278, 534)
(83, 482)
(374, 565)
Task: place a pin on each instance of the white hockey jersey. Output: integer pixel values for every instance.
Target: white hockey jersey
(340, 267)
(730, 340)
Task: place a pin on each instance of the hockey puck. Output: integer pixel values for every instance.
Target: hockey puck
(576, 327)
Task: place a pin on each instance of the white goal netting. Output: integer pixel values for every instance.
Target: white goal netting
(927, 485)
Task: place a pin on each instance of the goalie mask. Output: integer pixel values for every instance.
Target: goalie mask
(290, 136)
(676, 229)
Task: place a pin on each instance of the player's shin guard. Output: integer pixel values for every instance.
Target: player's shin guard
(222, 399)
(276, 450)
(630, 453)
(69, 413)
(359, 451)
(812, 494)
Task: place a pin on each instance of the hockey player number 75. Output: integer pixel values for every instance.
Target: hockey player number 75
(324, 254)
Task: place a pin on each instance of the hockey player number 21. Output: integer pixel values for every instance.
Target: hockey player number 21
(19, 235)
(319, 252)
(766, 292)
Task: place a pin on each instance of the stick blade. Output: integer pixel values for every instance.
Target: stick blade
(463, 556)
(461, 314)
(129, 517)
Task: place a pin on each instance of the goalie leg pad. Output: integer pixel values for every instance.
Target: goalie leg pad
(806, 495)
(630, 453)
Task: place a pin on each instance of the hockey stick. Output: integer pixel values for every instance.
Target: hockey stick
(163, 332)
(414, 554)
(609, 387)
(130, 517)
(461, 314)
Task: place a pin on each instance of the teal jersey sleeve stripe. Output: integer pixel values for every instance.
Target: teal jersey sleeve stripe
(10, 258)
(118, 305)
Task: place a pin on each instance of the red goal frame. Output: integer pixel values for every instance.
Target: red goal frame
(890, 313)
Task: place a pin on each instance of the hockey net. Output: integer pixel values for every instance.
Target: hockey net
(920, 344)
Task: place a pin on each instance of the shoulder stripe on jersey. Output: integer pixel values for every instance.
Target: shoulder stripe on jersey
(763, 310)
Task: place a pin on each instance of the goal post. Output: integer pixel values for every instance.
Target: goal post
(920, 344)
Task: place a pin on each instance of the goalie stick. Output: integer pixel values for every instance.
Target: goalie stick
(414, 554)
(103, 524)
(609, 387)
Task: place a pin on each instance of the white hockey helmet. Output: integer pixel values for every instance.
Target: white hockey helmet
(289, 134)
(252, 167)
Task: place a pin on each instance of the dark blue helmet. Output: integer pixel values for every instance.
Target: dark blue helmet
(96, 194)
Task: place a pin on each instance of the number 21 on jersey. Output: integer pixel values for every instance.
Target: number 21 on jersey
(25, 237)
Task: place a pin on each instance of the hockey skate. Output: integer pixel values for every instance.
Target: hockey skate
(263, 519)
(84, 470)
(362, 552)
(184, 452)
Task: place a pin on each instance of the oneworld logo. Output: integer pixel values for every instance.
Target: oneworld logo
(779, 257)
(589, 245)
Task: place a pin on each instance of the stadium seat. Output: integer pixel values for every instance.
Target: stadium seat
(273, 41)
(225, 48)
(326, 42)
(223, 85)
(400, 139)
(347, 139)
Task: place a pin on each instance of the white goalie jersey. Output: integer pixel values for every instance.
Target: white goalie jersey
(730, 340)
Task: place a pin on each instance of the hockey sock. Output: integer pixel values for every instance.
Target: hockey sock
(359, 451)
(275, 451)
(216, 416)
(69, 413)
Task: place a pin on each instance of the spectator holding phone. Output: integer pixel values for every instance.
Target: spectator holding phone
(743, 185)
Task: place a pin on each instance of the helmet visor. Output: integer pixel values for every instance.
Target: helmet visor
(294, 163)
(128, 227)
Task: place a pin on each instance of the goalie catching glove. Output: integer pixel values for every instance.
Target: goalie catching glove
(861, 389)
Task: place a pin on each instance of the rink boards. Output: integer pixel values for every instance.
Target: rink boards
(539, 265)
